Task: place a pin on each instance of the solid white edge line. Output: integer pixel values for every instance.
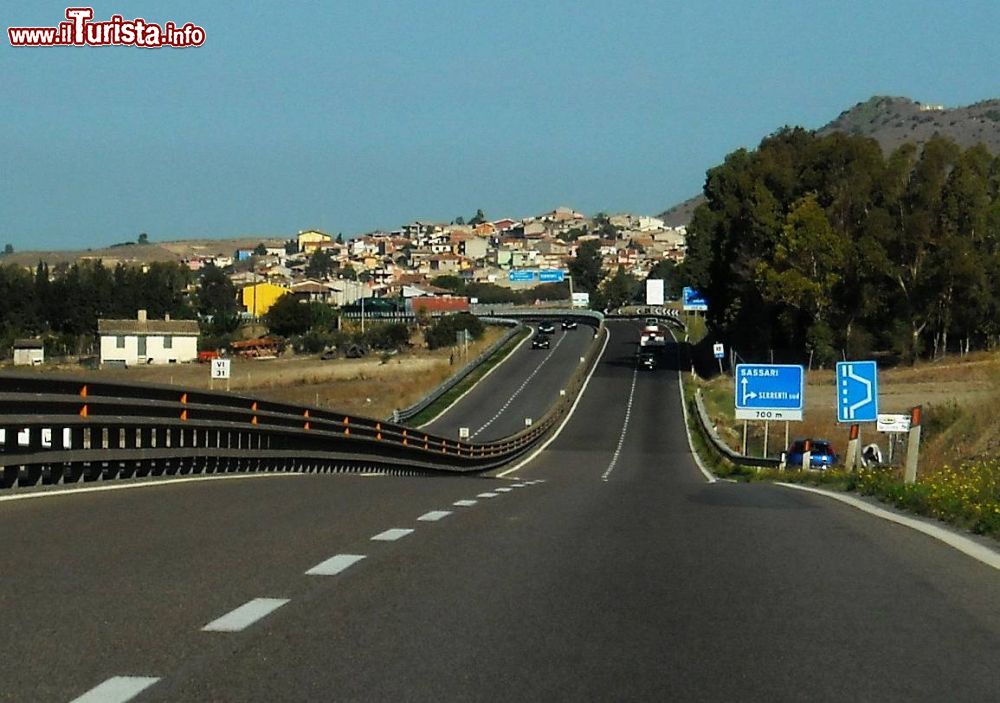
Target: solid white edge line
(117, 689)
(482, 378)
(140, 484)
(392, 534)
(709, 476)
(569, 415)
(335, 565)
(246, 615)
(963, 544)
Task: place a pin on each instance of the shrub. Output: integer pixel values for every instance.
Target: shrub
(443, 331)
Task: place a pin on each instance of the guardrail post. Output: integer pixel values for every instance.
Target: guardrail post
(913, 446)
(852, 448)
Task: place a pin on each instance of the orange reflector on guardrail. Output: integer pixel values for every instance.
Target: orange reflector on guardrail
(184, 415)
(83, 392)
(184, 398)
(378, 430)
(83, 411)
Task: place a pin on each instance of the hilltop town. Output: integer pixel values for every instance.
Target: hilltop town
(509, 253)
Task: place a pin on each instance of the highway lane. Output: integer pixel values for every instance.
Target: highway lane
(527, 384)
(640, 583)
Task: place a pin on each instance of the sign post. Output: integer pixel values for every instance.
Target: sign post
(720, 352)
(912, 447)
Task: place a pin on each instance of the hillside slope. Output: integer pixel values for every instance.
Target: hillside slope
(892, 121)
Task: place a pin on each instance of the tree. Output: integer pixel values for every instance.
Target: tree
(217, 300)
(340, 237)
(143, 238)
(348, 273)
(478, 219)
(260, 250)
(443, 332)
(586, 267)
(289, 316)
(450, 282)
(320, 264)
(669, 272)
(619, 289)
(459, 220)
(291, 247)
(8, 248)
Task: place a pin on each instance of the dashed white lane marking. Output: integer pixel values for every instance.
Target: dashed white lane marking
(487, 495)
(555, 435)
(246, 615)
(519, 485)
(503, 490)
(334, 565)
(139, 484)
(434, 515)
(520, 388)
(465, 503)
(117, 689)
(621, 439)
(482, 378)
(391, 535)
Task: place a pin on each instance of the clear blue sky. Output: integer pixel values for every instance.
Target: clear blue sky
(353, 116)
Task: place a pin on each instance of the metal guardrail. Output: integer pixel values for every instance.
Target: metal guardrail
(63, 429)
(498, 315)
(710, 434)
(452, 381)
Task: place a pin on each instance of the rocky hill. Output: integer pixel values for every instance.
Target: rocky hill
(893, 121)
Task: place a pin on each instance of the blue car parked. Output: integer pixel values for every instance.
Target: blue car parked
(822, 455)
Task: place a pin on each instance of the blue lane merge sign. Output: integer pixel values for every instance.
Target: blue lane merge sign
(857, 391)
(769, 391)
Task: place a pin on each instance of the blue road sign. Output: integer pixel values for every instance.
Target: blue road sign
(521, 276)
(693, 300)
(857, 391)
(552, 276)
(769, 391)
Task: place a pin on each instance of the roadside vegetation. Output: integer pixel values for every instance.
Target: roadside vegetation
(958, 480)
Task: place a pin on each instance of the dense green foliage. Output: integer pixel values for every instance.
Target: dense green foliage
(822, 246)
(443, 331)
(291, 316)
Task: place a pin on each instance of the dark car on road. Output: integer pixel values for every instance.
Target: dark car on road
(540, 341)
(822, 454)
(569, 324)
(546, 327)
(646, 360)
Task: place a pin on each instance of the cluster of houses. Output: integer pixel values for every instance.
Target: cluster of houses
(398, 265)
(404, 262)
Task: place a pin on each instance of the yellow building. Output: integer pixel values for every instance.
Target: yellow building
(258, 298)
(312, 239)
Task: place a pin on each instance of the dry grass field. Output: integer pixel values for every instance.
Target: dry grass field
(372, 386)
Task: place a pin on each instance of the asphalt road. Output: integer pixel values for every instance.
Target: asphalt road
(622, 575)
(526, 385)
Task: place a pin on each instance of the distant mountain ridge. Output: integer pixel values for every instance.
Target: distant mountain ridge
(893, 121)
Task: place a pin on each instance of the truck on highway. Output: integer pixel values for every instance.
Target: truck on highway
(653, 335)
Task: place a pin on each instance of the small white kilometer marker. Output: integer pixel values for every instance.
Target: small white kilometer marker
(117, 689)
(334, 565)
(246, 615)
(487, 495)
(391, 535)
(434, 515)
(465, 503)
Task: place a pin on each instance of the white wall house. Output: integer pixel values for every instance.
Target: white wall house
(29, 352)
(145, 341)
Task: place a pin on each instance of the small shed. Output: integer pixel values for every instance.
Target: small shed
(29, 352)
